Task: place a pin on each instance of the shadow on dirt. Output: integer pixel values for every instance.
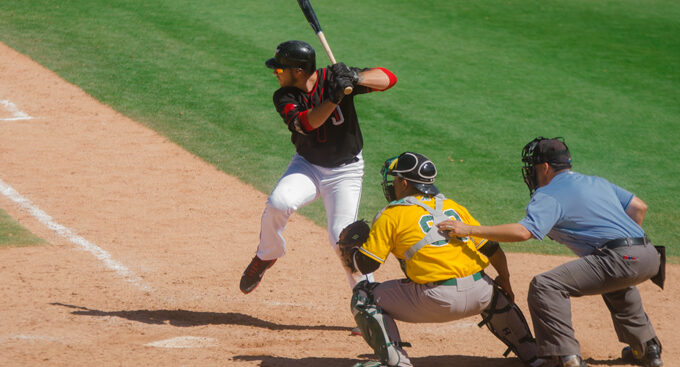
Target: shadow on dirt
(184, 318)
(431, 361)
(607, 362)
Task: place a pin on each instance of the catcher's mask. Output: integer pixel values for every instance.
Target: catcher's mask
(540, 150)
(414, 168)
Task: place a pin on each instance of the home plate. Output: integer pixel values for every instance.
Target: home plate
(184, 342)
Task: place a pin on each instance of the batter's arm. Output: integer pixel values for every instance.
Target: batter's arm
(317, 115)
(379, 79)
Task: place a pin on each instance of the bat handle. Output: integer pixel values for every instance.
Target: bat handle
(327, 48)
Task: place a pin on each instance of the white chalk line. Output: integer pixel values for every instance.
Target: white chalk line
(24, 337)
(184, 342)
(66, 233)
(14, 110)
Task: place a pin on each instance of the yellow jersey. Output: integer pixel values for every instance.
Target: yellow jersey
(399, 226)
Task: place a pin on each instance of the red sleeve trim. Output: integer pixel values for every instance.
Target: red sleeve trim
(392, 78)
(302, 116)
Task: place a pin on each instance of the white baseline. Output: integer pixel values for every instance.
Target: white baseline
(12, 108)
(66, 233)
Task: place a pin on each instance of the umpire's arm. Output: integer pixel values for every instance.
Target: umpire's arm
(636, 210)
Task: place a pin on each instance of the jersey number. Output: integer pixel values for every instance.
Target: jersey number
(337, 118)
(427, 221)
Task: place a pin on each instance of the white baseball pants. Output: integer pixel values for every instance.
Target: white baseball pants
(301, 184)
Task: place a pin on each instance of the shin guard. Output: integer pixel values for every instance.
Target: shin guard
(374, 324)
(506, 321)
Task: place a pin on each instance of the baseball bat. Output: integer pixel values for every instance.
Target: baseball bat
(308, 11)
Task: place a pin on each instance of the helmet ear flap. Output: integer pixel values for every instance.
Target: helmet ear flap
(296, 54)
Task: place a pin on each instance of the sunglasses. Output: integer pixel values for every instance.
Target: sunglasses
(279, 71)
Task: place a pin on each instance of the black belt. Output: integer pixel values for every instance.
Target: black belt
(349, 161)
(628, 241)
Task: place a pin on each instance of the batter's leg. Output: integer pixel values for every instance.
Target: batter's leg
(340, 190)
(295, 189)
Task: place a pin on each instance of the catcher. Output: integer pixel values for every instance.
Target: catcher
(445, 279)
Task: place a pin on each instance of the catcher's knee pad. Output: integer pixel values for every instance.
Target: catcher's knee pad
(506, 321)
(373, 323)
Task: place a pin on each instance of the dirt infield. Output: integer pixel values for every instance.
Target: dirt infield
(147, 244)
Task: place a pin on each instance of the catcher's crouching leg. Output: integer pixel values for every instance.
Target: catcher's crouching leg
(506, 321)
(373, 324)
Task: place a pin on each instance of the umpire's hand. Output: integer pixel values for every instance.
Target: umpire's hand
(454, 228)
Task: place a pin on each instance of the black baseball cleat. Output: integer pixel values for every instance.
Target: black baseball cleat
(253, 274)
(651, 358)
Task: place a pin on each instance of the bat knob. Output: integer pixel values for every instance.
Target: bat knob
(348, 90)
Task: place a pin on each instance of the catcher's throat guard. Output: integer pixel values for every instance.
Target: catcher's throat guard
(373, 324)
(506, 321)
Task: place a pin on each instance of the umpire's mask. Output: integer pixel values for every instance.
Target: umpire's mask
(540, 150)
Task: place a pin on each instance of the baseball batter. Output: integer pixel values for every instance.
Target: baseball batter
(445, 279)
(328, 162)
(601, 223)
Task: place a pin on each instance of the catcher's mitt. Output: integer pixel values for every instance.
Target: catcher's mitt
(352, 237)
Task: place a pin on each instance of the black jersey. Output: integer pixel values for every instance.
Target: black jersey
(338, 140)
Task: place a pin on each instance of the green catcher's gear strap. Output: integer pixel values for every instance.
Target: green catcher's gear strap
(506, 321)
(373, 324)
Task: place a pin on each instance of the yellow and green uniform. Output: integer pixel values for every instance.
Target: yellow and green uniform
(399, 226)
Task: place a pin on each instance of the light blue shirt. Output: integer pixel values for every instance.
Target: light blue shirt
(581, 212)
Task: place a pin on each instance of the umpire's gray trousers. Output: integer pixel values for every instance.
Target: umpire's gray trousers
(613, 273)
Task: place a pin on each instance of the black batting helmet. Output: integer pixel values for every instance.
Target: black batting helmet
(293, 54)
(414, 168)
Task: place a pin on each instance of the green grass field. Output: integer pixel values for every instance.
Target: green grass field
(477, 80)
(13, 234)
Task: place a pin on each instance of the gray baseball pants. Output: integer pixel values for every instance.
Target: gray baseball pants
(612, 273)
(406, 301)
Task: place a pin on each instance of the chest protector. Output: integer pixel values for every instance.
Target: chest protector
(438, 216)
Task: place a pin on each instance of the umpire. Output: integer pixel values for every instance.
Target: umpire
(601, 223)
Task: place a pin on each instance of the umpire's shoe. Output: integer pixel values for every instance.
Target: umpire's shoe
(651, 357)
(253, 274)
